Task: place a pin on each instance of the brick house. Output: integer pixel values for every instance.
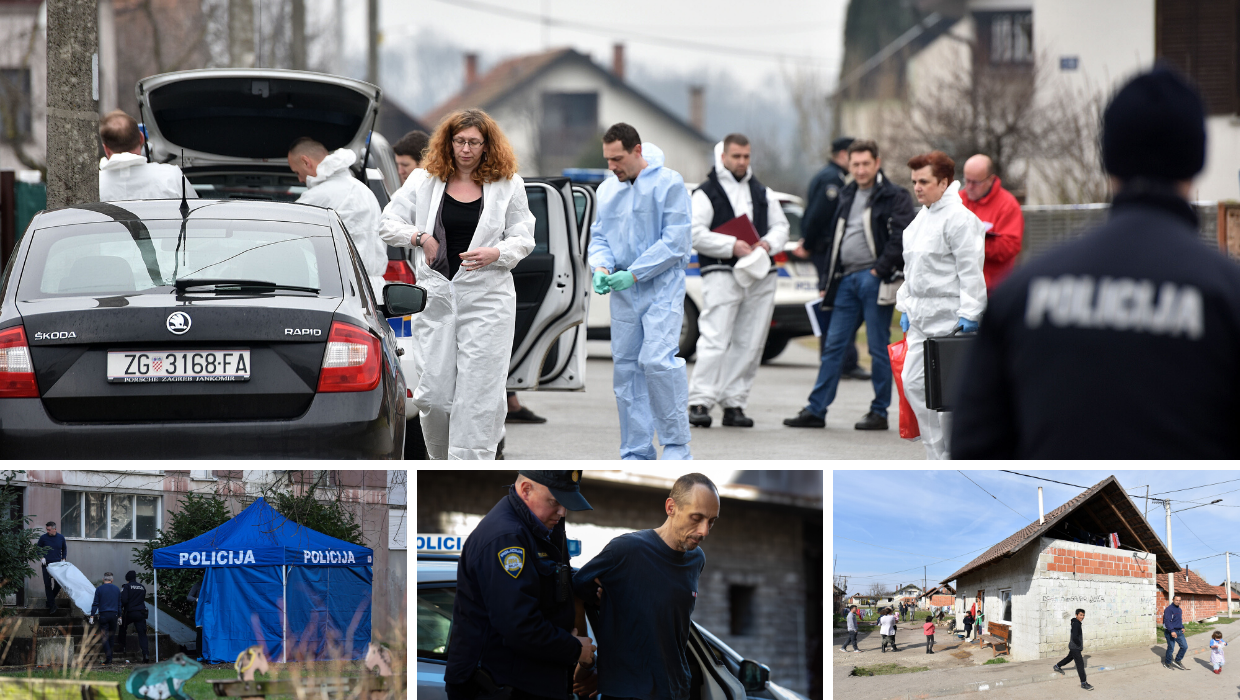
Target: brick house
(943, 595)
(1198, 599)
(1033, 581)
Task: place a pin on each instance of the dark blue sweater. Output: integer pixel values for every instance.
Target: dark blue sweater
(1173, 618)
(649, 590)
(58, 549)
(107, 600)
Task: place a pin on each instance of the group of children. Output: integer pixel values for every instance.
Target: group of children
(887, 627)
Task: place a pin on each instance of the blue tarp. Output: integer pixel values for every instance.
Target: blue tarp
(242, 596)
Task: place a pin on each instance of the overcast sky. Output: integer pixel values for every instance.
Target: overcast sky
(935, 515)
(806, 33)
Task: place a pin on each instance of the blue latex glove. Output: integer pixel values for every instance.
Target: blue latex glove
(904, 322)
(621, 281)
(967, 326)
(600, 282)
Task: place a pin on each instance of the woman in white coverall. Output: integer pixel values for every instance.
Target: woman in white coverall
(943, 286)
(467, 217)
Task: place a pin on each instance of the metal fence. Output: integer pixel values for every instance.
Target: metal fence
(1047, 226)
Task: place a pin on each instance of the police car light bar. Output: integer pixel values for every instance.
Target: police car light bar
(452, 544)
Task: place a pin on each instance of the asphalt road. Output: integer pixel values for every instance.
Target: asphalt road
(585, 425)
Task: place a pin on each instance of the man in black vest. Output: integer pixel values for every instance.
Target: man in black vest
(821, 200)
(737, 303)
(865, 256)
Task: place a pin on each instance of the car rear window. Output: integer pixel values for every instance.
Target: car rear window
(119, 258)
(434, 622)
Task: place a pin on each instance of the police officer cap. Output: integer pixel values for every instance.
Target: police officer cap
(1155, 127)
(841, 144)
(564, 485)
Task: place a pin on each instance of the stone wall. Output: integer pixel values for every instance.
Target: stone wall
(1050, 580)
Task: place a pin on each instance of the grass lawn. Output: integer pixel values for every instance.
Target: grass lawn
(996, 660)
(887, 670)
(197, 687)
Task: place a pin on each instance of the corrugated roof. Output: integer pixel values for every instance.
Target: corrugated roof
(1189, 582)
(1111, 496)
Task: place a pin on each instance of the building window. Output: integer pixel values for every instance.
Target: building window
(1005, 38)
(201, 475)
(1199, 37)
(740, 601)
(109, 516)
(1005, 601)
(569, 130)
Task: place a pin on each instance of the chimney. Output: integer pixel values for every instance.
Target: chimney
(1041, 517)
(617, 60)
(697, 107)
(471, 69)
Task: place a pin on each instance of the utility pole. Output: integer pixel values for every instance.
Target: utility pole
(299, 34)
(72, 102)
(1147, 503)
(1228, 555)
(1170, 574)
(372, 42)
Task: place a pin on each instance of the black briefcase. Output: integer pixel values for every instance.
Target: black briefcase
(945, 358)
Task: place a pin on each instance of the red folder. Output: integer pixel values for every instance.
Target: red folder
(742, 228)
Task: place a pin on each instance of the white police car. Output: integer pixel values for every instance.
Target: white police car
(797, 285)
(718, 672)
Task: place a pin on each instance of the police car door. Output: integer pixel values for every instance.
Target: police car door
(718, 683)
(552, 286)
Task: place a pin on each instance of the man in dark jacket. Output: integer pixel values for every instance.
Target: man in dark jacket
(821, 200)
(134, 612)
(865, 256)
(1173, 632)
(57, 550)
(107, 605)
(1075, 353)
(1076, 644)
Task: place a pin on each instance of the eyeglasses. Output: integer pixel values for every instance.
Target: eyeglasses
(472, 143)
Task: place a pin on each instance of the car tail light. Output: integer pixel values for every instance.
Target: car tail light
(16, 369)
(780, 258)
(352, 361)
(398, 271)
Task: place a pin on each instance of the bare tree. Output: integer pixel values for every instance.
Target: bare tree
(878, 589)
(16, 90)
(158, 36)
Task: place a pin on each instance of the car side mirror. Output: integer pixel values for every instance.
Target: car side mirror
(754, 676)
(402, 300)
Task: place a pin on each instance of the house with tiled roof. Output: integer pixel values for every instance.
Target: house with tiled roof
(1096, 552)
(1198, 599)
(554, 107)
(1235, 594)
(939, 596)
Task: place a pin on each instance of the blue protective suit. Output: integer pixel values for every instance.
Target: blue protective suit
(644, 227)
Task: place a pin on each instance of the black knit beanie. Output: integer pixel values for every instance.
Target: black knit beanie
(1155, 128)
(131, 575)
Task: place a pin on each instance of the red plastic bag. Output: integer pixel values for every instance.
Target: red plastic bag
(908, 421)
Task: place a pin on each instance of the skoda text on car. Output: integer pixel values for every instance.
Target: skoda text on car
(198, 328)
(797, 284)
(229, 129)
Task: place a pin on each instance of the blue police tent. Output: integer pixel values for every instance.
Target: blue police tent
(257, 561)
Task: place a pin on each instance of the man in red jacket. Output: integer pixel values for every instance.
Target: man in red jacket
(983, 194)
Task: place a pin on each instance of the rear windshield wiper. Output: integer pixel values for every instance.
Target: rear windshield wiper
(208, 285)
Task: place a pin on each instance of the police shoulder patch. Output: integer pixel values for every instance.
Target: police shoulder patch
(832, 192)
(513, 560)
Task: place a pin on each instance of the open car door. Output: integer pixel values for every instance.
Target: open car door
(552, 283)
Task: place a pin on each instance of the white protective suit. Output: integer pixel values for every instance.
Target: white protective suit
(944, 248)
(734, 319)
(127, 176)
(462, 341)
(334, 186)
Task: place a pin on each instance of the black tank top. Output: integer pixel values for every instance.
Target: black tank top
(460, 219)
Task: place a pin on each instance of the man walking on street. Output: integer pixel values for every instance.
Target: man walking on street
(821, 200)
(852, 620)
(57, 550)
(1076, 644)
(866, 255)
(107, 605)
(738, 289)
(640, 245)
(983, 194)
(1173, 632)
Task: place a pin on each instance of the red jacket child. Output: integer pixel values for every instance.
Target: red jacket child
(1005, 228)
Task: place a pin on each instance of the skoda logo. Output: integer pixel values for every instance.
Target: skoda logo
(178, 322)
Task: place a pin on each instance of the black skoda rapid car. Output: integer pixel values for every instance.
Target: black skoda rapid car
(207, 328)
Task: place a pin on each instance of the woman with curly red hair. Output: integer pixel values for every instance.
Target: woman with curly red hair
(465, 213)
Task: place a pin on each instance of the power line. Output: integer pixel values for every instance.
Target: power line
(1173, 500)
(630, 35)
(1190, 561)
(894, 550)
(992, 495)
(893, 573)
(1030, 476)
(1196, 487)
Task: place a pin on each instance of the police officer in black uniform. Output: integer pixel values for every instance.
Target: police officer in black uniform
(821, 201)
(512, 622)
(134, 612)
(1124, 343)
